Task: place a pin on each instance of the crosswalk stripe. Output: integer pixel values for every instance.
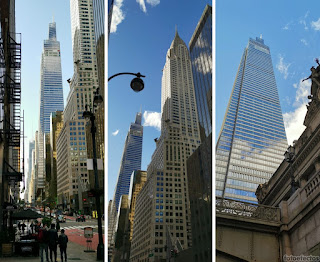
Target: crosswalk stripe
(78, 227)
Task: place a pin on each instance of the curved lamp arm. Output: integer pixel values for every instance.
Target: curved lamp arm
(126, 73)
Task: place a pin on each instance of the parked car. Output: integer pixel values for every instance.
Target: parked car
(80, 218)
(61, 219)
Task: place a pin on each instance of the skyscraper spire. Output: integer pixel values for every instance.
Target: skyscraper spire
(179, 138)
(51, 95)
(131, 161)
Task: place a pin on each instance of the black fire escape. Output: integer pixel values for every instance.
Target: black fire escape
(10, 101)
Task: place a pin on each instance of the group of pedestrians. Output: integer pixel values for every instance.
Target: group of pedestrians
(49, 240)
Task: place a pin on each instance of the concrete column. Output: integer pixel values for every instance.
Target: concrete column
(285, 241)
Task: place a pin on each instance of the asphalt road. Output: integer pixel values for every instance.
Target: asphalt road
(75, 231)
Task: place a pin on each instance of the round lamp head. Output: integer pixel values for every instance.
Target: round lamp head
(86, 114)
(97, 99)
(137, 84)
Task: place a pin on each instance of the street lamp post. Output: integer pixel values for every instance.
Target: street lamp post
(90, 115)
(136, 84)
(289, 157)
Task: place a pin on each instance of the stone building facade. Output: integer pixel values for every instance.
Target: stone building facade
(300, 210)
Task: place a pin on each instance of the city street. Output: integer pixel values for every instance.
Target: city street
(77, 242)
(75, 231)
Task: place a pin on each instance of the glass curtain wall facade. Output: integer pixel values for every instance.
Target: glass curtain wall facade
(131, 161)
(200, 47)
(252, 139)
(110, 7)
(51, 95)
(199, 164)
(51, 91)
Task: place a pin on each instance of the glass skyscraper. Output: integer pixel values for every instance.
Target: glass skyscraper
(110, 7)
(51, 90)
(199, 164)
(201, 58)
(51, 95)
(131, 161)
(252, 139)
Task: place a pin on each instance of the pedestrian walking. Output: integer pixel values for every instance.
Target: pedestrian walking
(37, 225)
(31, 227)
(58, 225)
(53, 241)
(63, 240)
(23, 226)
(43, 240)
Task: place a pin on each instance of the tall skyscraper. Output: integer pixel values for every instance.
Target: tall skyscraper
(162, 207)
(82, 85)
(199, 164)
(252, 139)
(56, 125)
(85, 76)
(51, 94)
(29, 192)
(131, 161)
(51, 90)
(200, 47)
(110, 8)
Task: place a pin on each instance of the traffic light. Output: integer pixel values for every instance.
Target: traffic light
(84, 200)
(173, 253)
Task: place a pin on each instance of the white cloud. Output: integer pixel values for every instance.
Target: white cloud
(316, 25)
(115, 132)
(286, 27)
(303, 89)
(200, 66)
(283, 67)
(152, 119)
(142, 4)
(117, 15)
(304, 41)
(303, 21)
(307, 14)
(293, 121)
(153, 2)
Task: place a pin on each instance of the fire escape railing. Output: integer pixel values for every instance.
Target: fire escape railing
(10, 95)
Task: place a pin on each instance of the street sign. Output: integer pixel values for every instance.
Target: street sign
(88, 232)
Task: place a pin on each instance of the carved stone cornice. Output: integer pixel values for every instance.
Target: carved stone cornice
(274, 187)
(313, 109)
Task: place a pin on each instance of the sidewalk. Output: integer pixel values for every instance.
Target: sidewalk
(74, 253)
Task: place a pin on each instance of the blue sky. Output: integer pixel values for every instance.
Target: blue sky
(32, 21)
(290, 29)
(139, 43)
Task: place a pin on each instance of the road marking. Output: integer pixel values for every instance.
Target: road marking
(78, 227)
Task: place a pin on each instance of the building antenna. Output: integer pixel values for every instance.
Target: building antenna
(140, 109)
